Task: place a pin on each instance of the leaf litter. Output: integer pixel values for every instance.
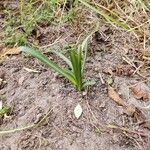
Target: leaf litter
(9, 51)
(78, 111)
(130, 110)
(141, 91)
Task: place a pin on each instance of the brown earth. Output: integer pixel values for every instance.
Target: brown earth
(33, 95)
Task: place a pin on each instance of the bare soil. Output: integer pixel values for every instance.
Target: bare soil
(33, 95)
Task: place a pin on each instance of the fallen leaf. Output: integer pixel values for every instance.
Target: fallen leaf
(141, 91)
(134, 112)
(108, 71)
(30, 70)
(9, 51)
(131, 110)
(138, 115)
(115, 96)
(78, 111)
(124, 70)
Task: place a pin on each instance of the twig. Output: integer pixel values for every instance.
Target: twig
(102, 80)
(141, 133)
(127, 60)
(51, 44)
(34, 125)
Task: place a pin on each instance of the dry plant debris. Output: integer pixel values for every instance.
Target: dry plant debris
(130, 110)
(8, 51)
(141, 91)
(114, 96)
(78, 111)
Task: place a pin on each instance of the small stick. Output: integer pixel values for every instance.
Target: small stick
(102, 80)
(128, 130)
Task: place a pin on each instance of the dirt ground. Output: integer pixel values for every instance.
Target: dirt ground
(116, 110)
(31, 95)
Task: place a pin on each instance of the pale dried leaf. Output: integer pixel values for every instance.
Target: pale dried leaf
(78, 111)
(115, 96)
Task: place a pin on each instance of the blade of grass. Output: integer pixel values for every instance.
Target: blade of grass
(73, 59)
(79, 57)
(21, 9)
(62, 56)
(84, 45)
(76, 68)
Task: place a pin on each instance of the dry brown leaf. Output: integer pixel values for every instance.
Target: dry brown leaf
(130, 110)
(138, 115)
(124, 70)
(108, 71)
(140, 91)
(146, 53)
(115, 96)
(9, 51)
(135, 112)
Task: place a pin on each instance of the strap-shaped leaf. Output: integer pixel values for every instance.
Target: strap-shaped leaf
(75, 58)
(79, 56)
(64, 72)
(62, 56)
(84, 45)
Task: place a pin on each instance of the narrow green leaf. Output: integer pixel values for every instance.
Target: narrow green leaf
(62, 56)
(75, 58)
(64, 72)
(79, 56)
(84, 45)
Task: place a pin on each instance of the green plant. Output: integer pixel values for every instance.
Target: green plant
(4, 111)
(76, 63)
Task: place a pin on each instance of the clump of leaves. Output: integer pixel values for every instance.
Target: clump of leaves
(76, 63)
